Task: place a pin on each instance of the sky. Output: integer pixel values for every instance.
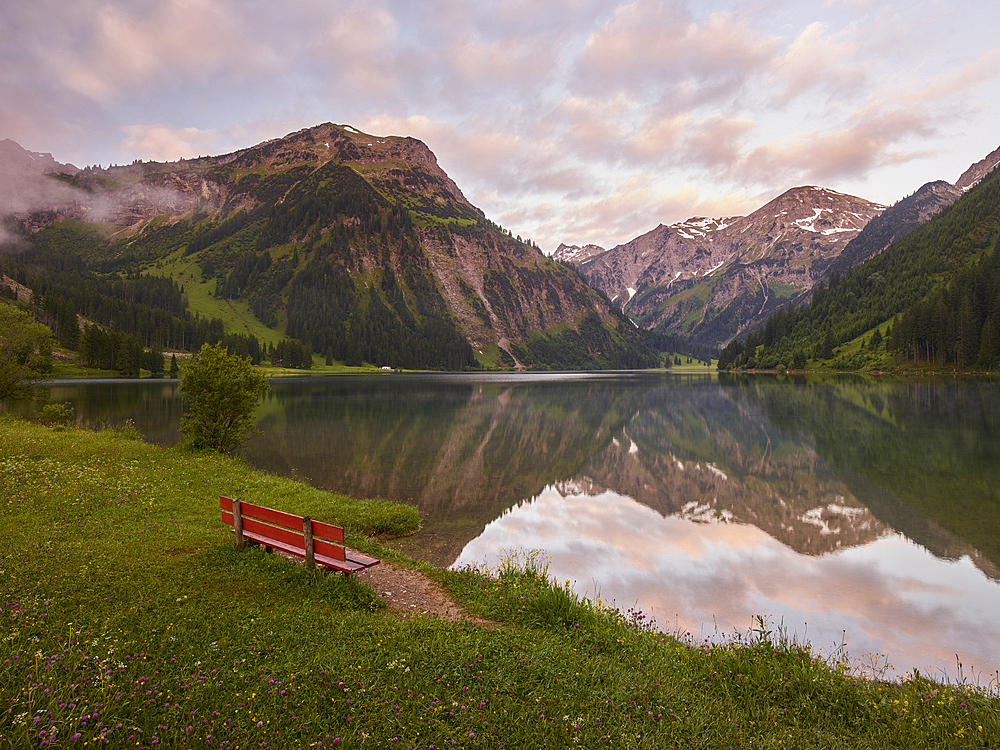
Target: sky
(565, 121)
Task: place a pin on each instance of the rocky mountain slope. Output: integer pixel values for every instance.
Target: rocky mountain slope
(24, 186)
(15, 160)
(576, 253)
(358, 245)
(974, 174)
(711, 279)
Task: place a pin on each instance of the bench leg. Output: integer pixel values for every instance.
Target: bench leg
(307, 533)
(238, 524)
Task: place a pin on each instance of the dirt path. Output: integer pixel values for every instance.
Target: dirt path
(409, 593)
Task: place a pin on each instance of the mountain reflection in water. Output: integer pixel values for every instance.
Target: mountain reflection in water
(889, 601)
(848, 510)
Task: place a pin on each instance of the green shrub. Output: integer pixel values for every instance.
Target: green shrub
(57, 415)
(221, 391)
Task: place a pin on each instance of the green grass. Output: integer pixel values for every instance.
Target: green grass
(696, 366)
(130, 620)
(490, 357)
(236, 315)
(783, 291)
(852, 355)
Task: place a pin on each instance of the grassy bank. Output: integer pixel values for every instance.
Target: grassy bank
(129, 620)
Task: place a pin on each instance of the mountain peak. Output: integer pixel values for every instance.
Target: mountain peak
(815, 210)
(709, 278)
(575, 253)
(403, 159)
(16, 160)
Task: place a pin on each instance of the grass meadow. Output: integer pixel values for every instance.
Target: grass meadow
(129, 619)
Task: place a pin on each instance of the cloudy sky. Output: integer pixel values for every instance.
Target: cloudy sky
(571, 121)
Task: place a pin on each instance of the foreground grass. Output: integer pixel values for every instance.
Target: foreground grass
(129, 620)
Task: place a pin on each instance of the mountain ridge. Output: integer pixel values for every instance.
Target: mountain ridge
(360, 246)
(734, 276)
(974, 174)
(706, 278)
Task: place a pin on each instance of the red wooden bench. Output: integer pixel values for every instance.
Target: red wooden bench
(319, 543)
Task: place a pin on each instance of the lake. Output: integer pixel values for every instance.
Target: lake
(861, 516)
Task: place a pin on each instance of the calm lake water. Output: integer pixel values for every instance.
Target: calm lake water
(853, 514)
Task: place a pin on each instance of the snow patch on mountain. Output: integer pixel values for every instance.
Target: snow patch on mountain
(576, 254)
(700, 226)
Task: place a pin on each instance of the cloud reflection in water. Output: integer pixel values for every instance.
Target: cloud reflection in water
(712, 579)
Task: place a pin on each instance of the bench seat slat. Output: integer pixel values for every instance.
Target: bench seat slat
(347, 566)
(353, 556)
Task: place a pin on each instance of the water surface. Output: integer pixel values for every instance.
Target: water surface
(852, 513)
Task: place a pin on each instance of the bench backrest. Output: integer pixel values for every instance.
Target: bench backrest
(286, 528)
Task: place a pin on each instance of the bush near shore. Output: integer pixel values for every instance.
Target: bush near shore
(129, 620)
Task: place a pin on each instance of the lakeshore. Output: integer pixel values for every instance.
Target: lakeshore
(131, 620)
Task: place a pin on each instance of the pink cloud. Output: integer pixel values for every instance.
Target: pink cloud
(483, 64)
(717, 142)
(956, 85)
(165, 143)
(634, 205)
(592, 127)
(660, 137)
(659, 45)
(123, 49)
(818, 60)
(871, 139)
(361, 42)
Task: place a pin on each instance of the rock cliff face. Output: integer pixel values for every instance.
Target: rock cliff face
(711, 279)
(895, 222)
(25, 184)
(17, 161)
